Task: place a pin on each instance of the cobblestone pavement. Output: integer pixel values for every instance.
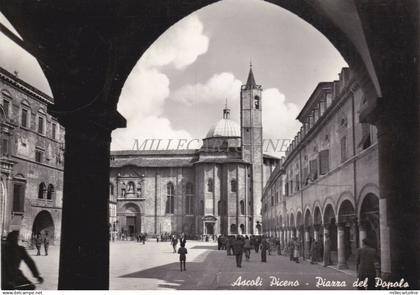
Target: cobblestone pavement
(136, 266)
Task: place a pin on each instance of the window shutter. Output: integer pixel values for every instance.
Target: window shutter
(324, 165)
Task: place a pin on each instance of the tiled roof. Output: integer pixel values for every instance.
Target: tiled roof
(153, 152)
(153, 162)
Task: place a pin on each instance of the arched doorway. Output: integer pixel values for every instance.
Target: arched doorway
(130, 221)
(347, 235)
(44, 225)
(292, 226)
(309, 232)
(369, 221)
(330, 229)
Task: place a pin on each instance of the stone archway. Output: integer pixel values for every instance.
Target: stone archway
(43, 224)
(330, 234)
(130, 225)
(347, 235)
(309, 232)
(369, 221)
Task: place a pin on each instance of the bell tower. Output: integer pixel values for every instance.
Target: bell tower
(251, 137)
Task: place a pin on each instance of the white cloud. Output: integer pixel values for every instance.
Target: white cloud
(180, 45)
(147, 88)
(279, 116)
(217, 88)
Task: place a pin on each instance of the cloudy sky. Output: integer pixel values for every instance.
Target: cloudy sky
(179, 87)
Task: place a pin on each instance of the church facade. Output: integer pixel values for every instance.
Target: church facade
(216, 189)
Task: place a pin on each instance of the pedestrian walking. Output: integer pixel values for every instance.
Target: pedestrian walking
(174, 242)
(183, 239)
(238, 247)
(219, 242)
(257, 244)
(278, 245)
(247, 248)
(291, 248)
(314, 252)
(46, 243)
(38, 244)
(182, 251)
(365, 264)
(296, 250)
(327, 250)
(264, 248)
(12, 255)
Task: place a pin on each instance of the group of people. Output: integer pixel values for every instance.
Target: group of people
(240, 245)
(141, 238)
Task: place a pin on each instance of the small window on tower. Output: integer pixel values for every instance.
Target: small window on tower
(257, 102)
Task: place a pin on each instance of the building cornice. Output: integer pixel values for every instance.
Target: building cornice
(24, 87)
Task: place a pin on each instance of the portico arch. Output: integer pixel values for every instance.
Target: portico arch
(44, 224)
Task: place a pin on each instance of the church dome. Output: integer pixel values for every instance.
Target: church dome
(225, 127)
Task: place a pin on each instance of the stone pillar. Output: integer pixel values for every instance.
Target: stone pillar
(327, 245)
(397, 116)
(84, 247)
(281, 234)
(341, 251)
(307, 243)
(316, 232)
(384, 239)
(362, 233)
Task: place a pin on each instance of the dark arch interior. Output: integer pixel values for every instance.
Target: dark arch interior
(317, 216)
(369, 220)
(43, 224)
(346, 212)
(308, 218)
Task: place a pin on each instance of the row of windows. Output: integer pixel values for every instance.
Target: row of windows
(321, 164)
(25, 118)
(44, 192)
(233, 185)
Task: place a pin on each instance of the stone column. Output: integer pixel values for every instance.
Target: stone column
(281, 238)
(307, 243)
(327, 245)
(316, 232)
(362, 233)
(341, 251)
(84, 247)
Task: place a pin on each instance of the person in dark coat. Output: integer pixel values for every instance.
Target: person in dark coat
(219, 242)
(46, 243)
(183, 239)
(174, 242)
(365, 264)
(291, 249)
(264, 248)
(247, 248)
(327, 250)
(12, 254)
(38, 243)
(257, 243)
(182, 251)
(238, 247)
(278, 246)
(314, 251)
